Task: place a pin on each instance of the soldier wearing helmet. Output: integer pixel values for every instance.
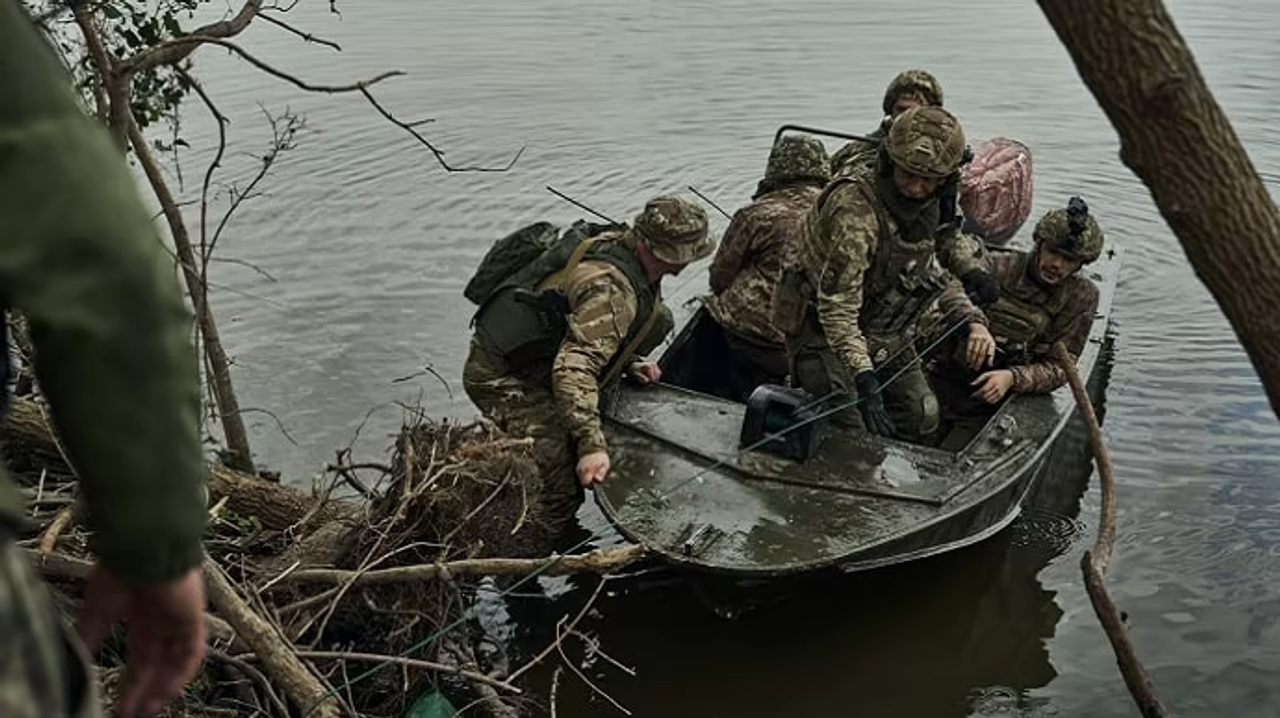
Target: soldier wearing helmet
(749, 261)
(911, 88)
(870, 261)
(540, 374)
(1043, 300)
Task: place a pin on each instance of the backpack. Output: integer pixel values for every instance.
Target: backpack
(526, 255)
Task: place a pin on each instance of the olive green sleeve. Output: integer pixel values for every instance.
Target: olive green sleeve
(79, 257)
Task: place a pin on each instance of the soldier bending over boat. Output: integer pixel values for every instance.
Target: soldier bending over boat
(540, 373)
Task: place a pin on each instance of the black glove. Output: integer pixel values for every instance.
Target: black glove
(871, 404)
(948, 196)
(981, 287)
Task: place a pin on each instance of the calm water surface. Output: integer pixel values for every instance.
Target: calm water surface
(368, 242)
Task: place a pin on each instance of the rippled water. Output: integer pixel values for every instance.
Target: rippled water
(369, 242)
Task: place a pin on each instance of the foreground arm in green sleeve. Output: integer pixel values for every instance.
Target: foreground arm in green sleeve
(80, 258)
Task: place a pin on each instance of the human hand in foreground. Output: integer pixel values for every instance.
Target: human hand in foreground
(164, 634)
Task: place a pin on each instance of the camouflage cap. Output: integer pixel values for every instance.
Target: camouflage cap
(797, 157)
(1072, 232)
(913, 82)
(675, 229)
(927, 141)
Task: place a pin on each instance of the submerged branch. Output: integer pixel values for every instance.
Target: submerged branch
(1094, 564)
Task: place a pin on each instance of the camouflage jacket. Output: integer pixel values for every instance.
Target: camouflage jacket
(602, 307)
(759, 242)
(857, 156)
(840, 243)
(80, 259)
(1067, 309)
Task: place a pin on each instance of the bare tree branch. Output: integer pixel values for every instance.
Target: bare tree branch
(245, 263)
(282, 139)
(214, 164)
(179, 49)
(279, 423)
(304, 35)
(196, 40)
(409, 127)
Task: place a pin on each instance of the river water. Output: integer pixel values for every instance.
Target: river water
(368, 241)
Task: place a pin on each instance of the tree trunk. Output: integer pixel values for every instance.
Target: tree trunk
(240, 456)
(115, 80)
(1178, 141)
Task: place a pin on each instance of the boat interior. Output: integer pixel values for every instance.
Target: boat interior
(696, 361)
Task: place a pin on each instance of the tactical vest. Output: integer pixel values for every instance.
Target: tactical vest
(1020, 318)
(904, 277)
(523, 323)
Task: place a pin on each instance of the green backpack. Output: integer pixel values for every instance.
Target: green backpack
(527, 255)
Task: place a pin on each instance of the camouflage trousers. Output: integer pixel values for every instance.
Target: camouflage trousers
(522, 405)
(908, 397)
(44, 671)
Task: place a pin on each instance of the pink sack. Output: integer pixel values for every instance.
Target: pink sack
(995, 190)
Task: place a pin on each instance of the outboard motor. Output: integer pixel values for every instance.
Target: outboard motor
(772, 410)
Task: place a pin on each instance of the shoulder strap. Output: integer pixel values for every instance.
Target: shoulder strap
(620, 361)
(556, 278)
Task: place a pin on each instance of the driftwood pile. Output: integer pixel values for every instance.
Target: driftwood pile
(322, 606)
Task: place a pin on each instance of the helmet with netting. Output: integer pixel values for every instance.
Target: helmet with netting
(1071, 231)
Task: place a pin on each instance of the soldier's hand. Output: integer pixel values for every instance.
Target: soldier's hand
(592, 469)
(871, 404)
(645, 372)
(981, 287)
(980, 350)
(164, 634)
(993, 385)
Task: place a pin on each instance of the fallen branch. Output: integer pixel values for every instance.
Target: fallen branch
(61, 567)
(1094, 564)
(403, 661)
(275, 506)
(599, 561)
(278, 658)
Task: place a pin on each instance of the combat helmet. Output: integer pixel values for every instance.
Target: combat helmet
(913, 82)
(795, 158)
(1071, 232)
(927, 141)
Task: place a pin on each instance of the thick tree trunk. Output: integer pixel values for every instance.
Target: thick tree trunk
(1177, 139)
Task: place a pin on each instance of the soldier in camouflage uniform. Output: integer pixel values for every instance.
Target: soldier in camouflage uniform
(748, 263)
(80, 260)
(1043, 300)
(866, 269)
(610, 295)
(911, 88)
